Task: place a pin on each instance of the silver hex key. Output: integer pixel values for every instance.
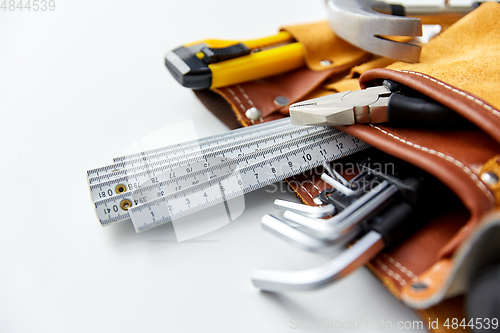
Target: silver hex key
(374, 211)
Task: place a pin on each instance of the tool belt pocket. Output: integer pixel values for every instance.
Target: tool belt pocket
(458, 69)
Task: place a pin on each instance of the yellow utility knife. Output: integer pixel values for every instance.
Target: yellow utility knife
(216, 63)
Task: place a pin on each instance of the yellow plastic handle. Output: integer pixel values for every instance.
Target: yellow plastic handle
(257, 65)
(270, 56)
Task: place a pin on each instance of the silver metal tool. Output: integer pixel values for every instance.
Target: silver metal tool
(206, 145)
(335, 175)
(293, 234)
(321, 235)
(314, 278)
(391, 103)
(311, 211)
(280, 162)
(380, 218)
(364, 23)
(345, 190)
(158, 186)
(338, 230)
(344, 108)
(163, 170)
(348, 219)
(385, 232)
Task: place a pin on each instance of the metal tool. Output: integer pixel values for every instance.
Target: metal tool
(292, 233)
(334, 231)
(334, 174)
(218, 63)
(310, 279)
(180, 150)
(259, 168)
(306, 233)
(389, 103)
(163, 170)
(311, 211)
(378, 220)
(342, 188)
(382, 233)
(365, 23)
(209, 171)
(348, 219)
(282, 161)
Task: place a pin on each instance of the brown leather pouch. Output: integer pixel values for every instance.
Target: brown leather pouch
(459, 69)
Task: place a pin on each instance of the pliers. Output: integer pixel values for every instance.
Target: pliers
(390, 103)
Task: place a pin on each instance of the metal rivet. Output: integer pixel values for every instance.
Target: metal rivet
(125, 204)
(253, 113)
(419, 286)
(281, 101)
(489, 178)
(325, 63)
(120, 189)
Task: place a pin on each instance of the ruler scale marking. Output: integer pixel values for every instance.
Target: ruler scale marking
(220, 166)
(208, 171)
(233, 133)
(168, 154)
(172, 154)
(141, 226)
(189, 158)
(275, 177)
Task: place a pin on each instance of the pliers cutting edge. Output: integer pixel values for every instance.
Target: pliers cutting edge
(389, 103)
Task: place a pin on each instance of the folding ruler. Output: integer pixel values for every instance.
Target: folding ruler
(154, 187)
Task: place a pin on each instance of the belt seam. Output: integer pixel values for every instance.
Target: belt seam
(236, 98)
(402, 268)
(300, 184)
(448, 158)
(317, 189)
(455, 90)
(245, 95)
(390, 272)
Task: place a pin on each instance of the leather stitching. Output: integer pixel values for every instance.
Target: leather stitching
(245, 94)
(248, 99)
(402, 268)
(448, 158)
(391, 273)
(459, 92)
(300, 184)
(236, 98)
(314, 185)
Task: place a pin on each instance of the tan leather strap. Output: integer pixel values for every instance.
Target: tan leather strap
(324, 49)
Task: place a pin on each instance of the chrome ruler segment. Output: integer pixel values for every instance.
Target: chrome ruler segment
(276, 167)
(181, 150)
(108, 209)
(116, 208)
(129, 179)
(232, 134)
(165, 158)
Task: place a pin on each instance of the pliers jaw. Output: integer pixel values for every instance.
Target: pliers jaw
(316, 111)
(345, 108)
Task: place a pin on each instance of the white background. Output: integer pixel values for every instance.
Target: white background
(77, 87)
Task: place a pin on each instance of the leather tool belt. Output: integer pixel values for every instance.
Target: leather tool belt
(460, 69)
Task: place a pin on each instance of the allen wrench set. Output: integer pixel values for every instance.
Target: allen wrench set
(374, 211)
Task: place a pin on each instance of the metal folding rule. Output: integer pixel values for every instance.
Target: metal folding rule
(154, 187)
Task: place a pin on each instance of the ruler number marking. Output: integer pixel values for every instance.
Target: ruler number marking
(268, 177)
